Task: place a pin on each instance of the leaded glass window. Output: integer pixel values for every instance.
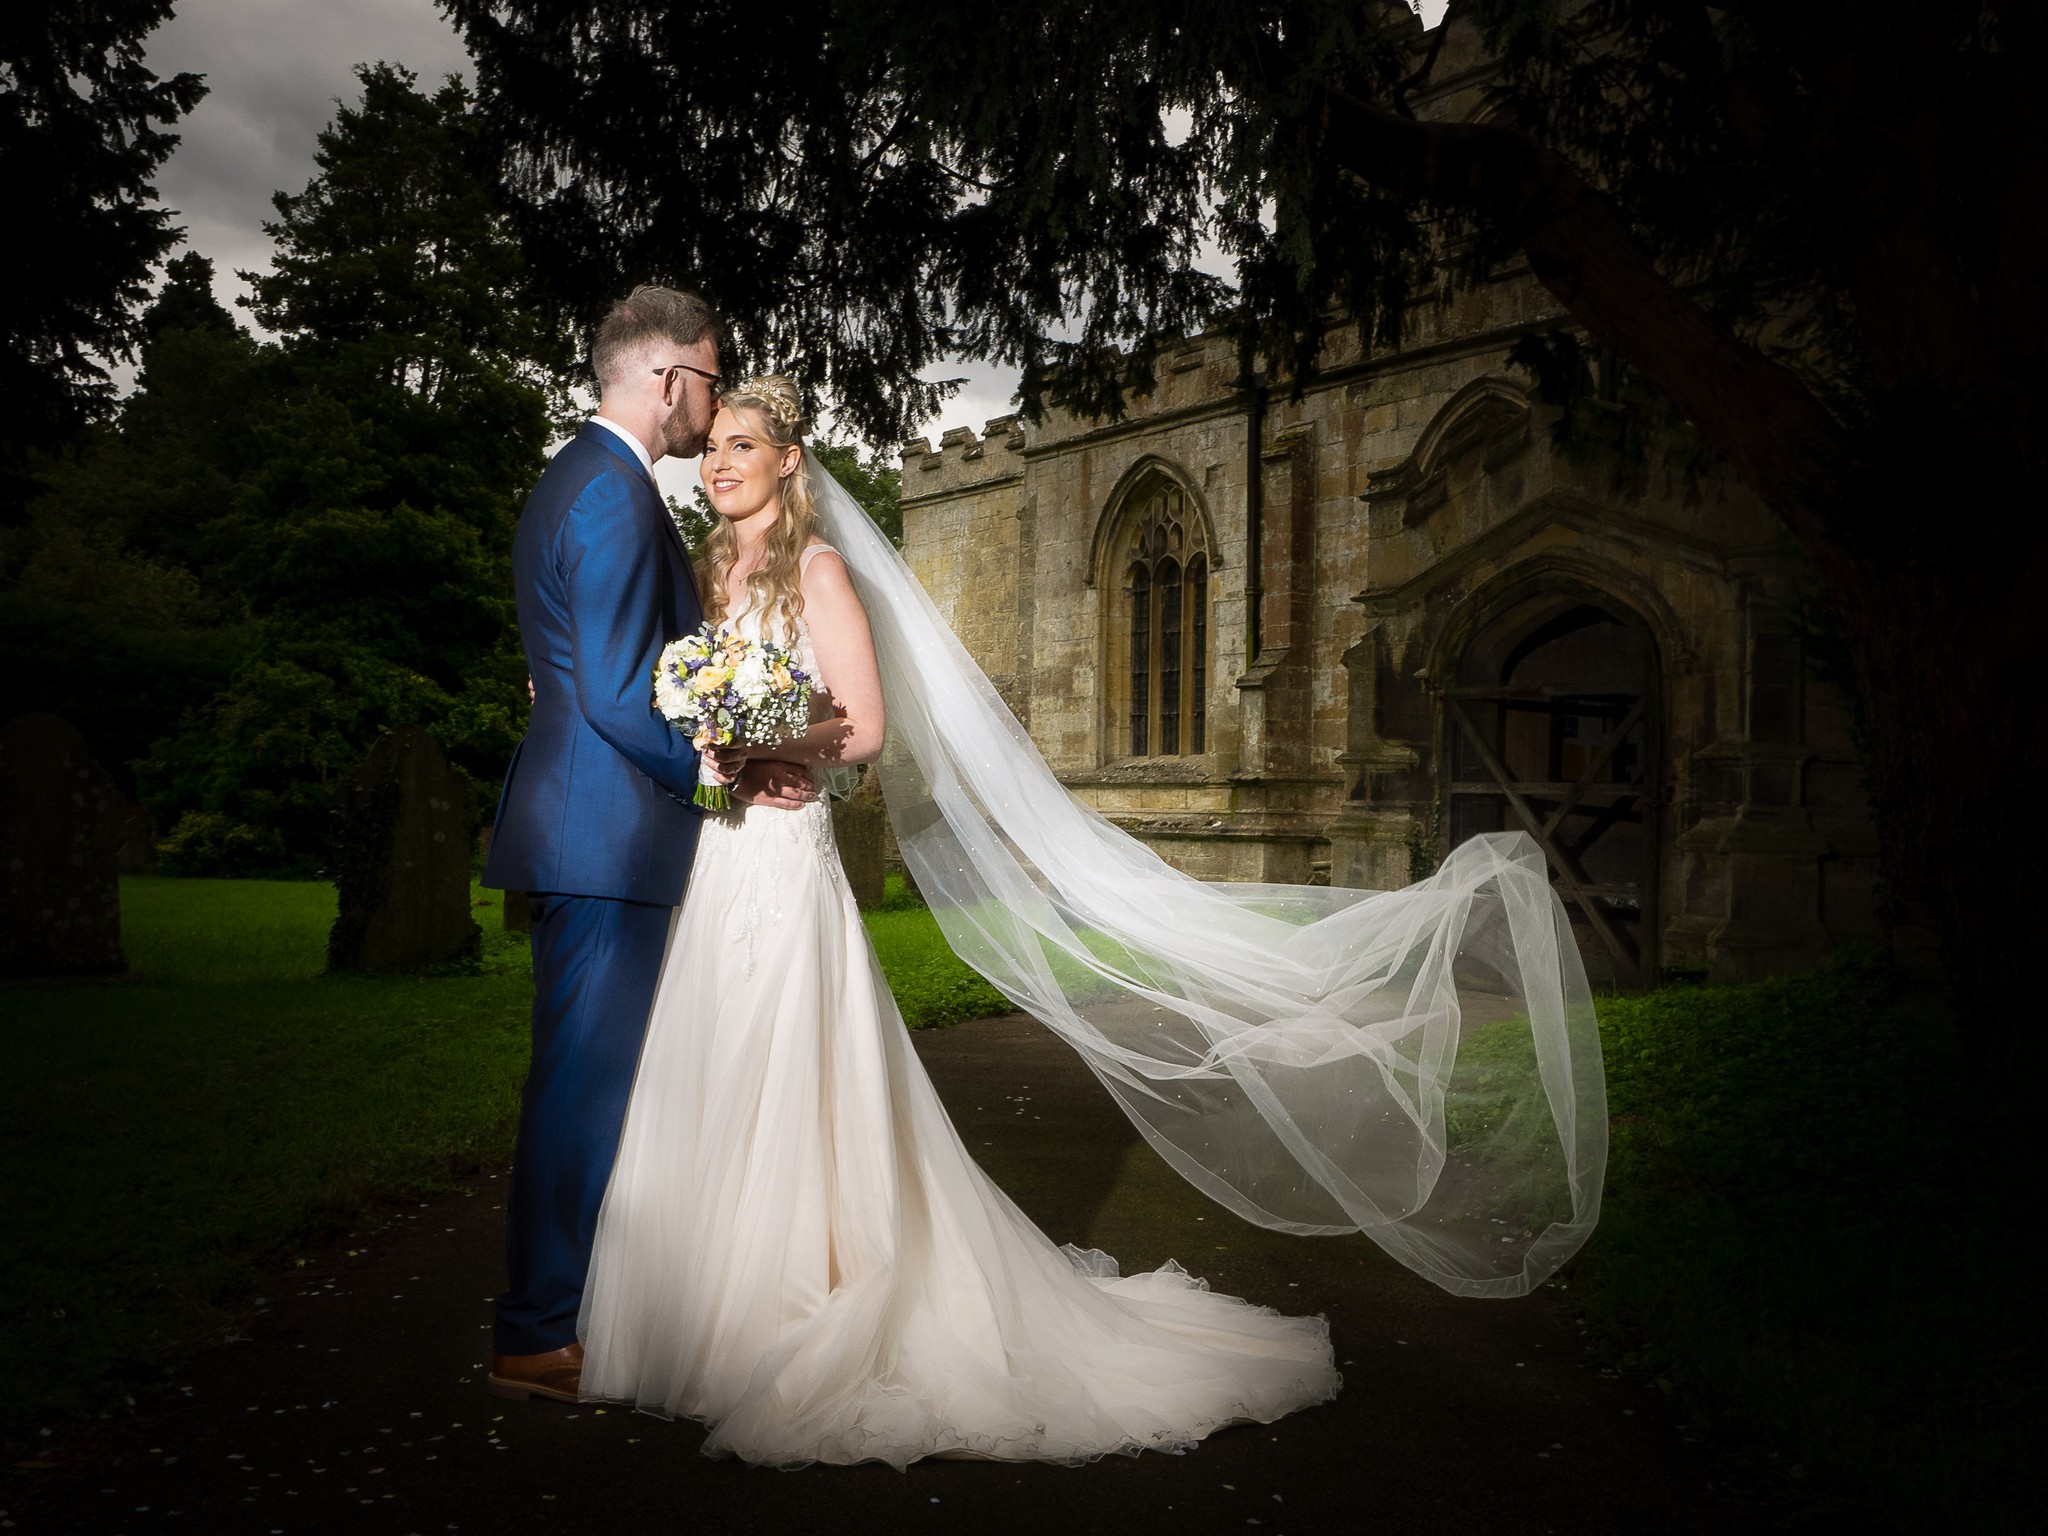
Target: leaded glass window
(1166, 592)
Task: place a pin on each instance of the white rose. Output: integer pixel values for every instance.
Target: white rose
(751, 678)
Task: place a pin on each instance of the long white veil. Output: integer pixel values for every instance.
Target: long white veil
(1420, 1065)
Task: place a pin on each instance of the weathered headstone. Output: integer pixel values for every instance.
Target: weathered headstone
(892, 853)
(857, 826)
(515, 906)
(403, 862)
(60, 846)
(920, 811)
(137, 854)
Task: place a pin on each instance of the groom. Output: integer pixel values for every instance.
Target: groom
(596, 820)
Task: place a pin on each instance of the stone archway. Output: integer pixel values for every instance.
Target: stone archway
(1553, 726)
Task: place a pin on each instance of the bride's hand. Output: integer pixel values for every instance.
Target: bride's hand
(779, 786)
(726, 762)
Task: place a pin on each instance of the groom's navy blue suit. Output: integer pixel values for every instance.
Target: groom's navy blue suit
(596, 820)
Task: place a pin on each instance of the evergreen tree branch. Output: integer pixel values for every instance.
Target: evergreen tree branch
(1782, 442)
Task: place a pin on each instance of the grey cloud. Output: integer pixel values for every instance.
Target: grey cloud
(986, 395)
(274, 69)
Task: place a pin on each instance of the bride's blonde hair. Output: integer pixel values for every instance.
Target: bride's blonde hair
(776, 585)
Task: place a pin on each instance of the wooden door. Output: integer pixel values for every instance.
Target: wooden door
(1552, 728)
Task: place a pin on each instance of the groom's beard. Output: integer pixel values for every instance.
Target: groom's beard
(682, 440)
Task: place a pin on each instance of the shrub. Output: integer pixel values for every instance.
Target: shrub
(213, 846)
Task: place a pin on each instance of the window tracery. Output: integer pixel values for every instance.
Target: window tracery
(1165, 589)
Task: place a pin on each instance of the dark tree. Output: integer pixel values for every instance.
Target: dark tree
(395, 268)
(874, 481)
(1814, 230)
(170, 467)
(111, 612)
(390, 434)
(896, 185)
(186, 301)
(82, 131)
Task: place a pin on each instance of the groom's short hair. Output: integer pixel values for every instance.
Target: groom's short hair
(648, 314)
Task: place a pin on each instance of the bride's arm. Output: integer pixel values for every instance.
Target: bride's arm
(846, 655)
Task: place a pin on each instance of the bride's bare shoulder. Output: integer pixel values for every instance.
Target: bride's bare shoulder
(828, 587)
(808, 560)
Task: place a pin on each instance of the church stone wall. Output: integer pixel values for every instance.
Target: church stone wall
(962, 537)
(1409, 499)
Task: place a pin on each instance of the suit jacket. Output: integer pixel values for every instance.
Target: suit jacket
(597, 800)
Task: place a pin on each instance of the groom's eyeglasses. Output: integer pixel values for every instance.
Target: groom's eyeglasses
(715, 380)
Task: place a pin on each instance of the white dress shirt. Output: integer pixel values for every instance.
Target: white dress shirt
(632, 442)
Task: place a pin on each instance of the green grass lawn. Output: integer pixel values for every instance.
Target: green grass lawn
(931, 983)
(174, 1133)
(1808, 1239)
(1816, 1238)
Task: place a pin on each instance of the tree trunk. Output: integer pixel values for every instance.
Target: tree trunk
(1948, 642)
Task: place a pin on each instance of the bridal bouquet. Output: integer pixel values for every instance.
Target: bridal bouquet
(726, 689)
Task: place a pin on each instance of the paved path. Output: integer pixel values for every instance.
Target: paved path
(355, 1403)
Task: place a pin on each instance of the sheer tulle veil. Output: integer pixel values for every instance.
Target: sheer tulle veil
(1419, 1065)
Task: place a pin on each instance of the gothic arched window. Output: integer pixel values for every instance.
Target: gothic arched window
(1165, 561)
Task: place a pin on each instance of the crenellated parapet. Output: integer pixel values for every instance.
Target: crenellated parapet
(964, 460)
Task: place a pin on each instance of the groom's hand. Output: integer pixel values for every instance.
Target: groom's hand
(779, 786)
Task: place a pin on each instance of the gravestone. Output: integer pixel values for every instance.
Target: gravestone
(893, 862)
(61, 822)
(403, 862)
(858, 823)
(515, 907)
(137, 855)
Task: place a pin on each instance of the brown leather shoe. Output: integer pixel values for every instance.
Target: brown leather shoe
(554, 1374)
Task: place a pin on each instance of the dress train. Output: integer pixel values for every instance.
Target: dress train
(797, 1249)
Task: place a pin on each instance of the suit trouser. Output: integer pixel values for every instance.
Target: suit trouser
(595, 965)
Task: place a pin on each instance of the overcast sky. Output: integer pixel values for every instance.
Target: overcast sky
(275, 70)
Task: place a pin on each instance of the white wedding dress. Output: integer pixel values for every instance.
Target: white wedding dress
(796, 1248)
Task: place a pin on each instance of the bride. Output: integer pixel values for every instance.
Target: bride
(796, 1248)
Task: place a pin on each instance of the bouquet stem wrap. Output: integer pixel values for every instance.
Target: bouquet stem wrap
(711, 795)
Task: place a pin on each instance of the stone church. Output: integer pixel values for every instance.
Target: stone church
(1327, 638)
